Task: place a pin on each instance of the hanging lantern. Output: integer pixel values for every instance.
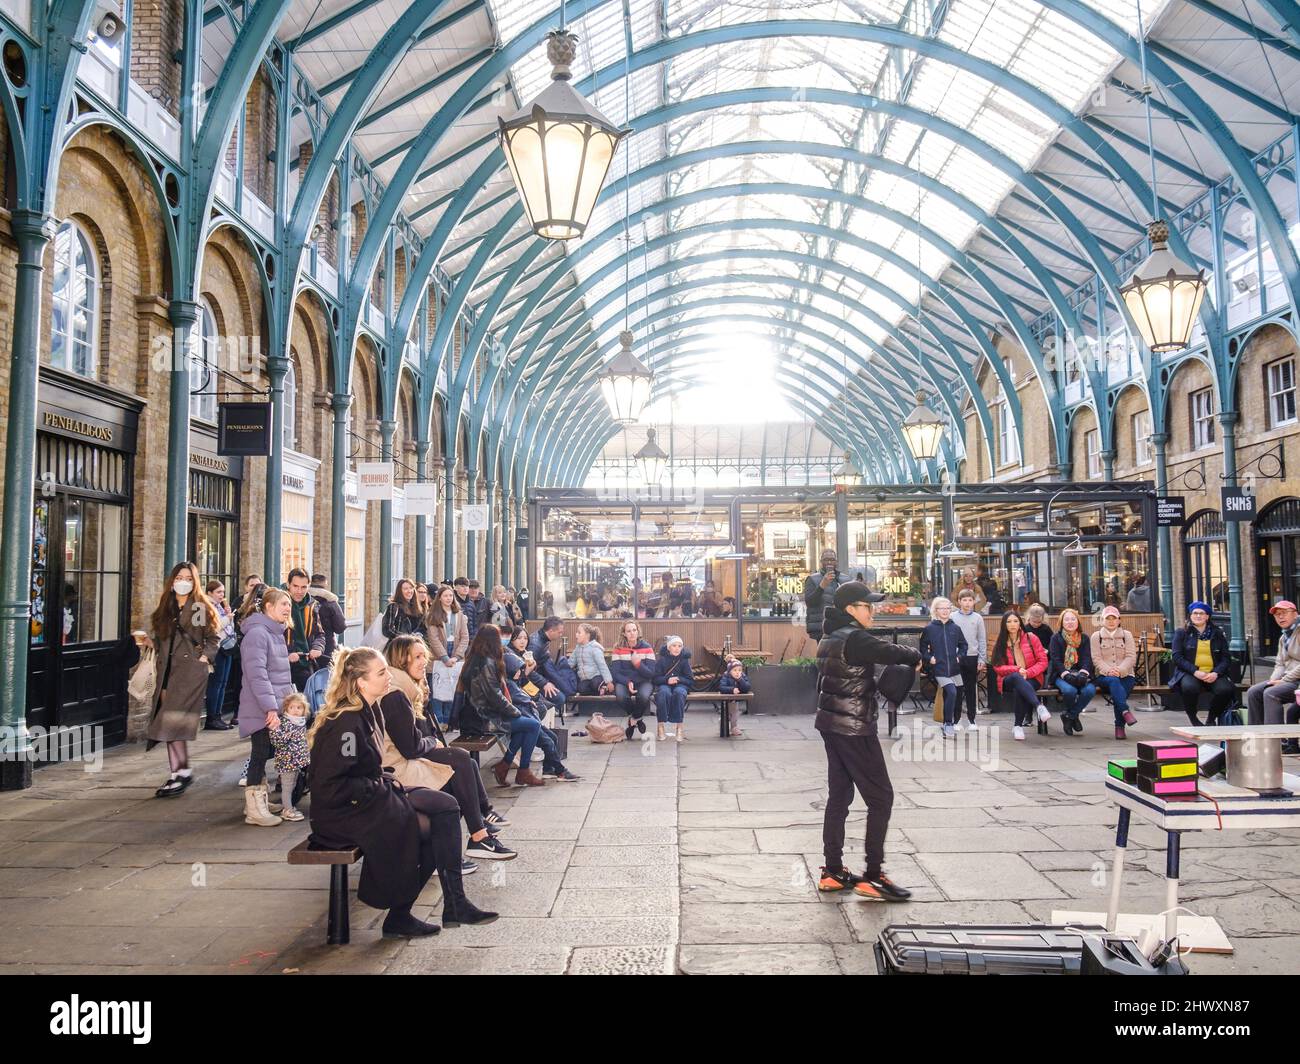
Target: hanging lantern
(625, 382)
(559, 149)
(847, 476)
(651, 459)
(1164, 295)
(923, 429)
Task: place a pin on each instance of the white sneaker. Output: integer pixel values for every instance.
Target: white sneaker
(949, 732)
(1043, 713)
(1018, 733)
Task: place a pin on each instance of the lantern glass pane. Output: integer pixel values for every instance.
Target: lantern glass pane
(528, 170)
(600, 153)
(564, 149)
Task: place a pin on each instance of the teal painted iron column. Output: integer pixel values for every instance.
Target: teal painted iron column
(184, 316)
(1236, 606)
(520, 570)
(340, 403)
(422, 521)
(277, 366)
(449, 518)
(1164, 562)
(386, 578)
(33, 231)
(503, 548)
(471, 538)
(490, 539)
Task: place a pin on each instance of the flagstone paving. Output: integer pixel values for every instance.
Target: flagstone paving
(700, 858)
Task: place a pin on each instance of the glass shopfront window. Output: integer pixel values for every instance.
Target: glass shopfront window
(785, 541)
(295, 539)
(354, 564)
(894, 545)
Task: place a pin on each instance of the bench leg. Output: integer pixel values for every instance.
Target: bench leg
(339, 932)
(724, 721)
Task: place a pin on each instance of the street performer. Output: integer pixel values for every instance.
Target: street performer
(847, 657)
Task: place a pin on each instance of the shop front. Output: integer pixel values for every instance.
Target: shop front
(81, 551)
(354, 558)
(213, 532)
(1277, 559)
(297, 514)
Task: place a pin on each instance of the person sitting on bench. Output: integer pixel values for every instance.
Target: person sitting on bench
(355, 803)
(589, 660)
(540, 645)
(1201, 665)
(1019, 662)
(672, 680)
(733, 681)
(488, 708)
(517, 670)
(1268, 702)
(632, 669)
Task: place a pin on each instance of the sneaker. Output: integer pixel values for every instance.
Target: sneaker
(565, 776)
(467, 867)
(949, 732)
(493, 817)
(490, 849)
(833, 879)
(881, 888)
(1129, 718)
(538, 755)
(959, 726)
(1119, 732)
(1044, 714)
(1018, 733)
(291, 815)
(640, 726)
(243, 781)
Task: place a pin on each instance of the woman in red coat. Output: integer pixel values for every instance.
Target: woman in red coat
(1019, 661)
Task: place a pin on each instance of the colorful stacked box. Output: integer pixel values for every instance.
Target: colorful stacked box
(1167, 768)
(1124, 768)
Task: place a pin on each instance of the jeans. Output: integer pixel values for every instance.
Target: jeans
(1221, 692)
(635, 705)
(590, 686)
(856, 761)
(1073, 699)
(1268, 703)
(550, 752)
(523, 737)
(951, 704)
(1119, 688)
(1023, 695)
(970, 681)
(217, 680)
(441, 711)
(670, 703)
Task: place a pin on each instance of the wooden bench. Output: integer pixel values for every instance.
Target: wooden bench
(722, 701)
(476, 745)
(339, 933)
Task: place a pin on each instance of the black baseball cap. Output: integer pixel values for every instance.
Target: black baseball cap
(855, 591)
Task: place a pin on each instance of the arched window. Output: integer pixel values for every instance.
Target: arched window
(203, 367)
(1205, 560)
(75, 323)
(290, 436)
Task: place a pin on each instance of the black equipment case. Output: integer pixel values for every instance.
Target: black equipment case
(980, 949)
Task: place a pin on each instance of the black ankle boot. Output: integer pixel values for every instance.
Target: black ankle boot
(401, 924)
(456, 908)
(216, 723)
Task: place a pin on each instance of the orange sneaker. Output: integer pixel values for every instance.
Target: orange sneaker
(834, 879)
(881, 888)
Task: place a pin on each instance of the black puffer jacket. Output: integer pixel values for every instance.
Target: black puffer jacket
(847, 657)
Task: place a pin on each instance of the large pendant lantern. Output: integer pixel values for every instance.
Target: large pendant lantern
(625, 382)
(923, 429)
(651, 459)
(1164, 295)
(559, 149)
(847, 476)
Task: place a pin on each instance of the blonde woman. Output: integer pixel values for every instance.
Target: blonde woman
(185, 637)
(405, 834)
(632, 671)
(1070, 668)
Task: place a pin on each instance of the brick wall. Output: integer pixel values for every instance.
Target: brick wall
(261, 109)
(156, 36)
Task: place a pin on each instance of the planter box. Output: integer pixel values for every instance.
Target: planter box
(784, 689)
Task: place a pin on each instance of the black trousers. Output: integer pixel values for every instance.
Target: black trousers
(856, 761)
(466, 786)
(1221, 695)
(635, 706)
(300, 672)
(440, 841)
(258, 757)
(970, 680)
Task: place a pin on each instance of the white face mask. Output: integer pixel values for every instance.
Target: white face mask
(297, 722)
(183, 587)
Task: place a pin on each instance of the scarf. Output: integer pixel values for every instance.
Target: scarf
(1072, 641)
(416, 693)
(1018, 651)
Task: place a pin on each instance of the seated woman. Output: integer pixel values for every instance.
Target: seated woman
(1201, 665)
(632, 670)
(1071, 670)
(405, 836)
(1114, 653)
(1019, 663)
(413, 750)
(672, 679)
(518, 669)
(488, 708)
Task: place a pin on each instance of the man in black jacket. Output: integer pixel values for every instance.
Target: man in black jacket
(330, 613)
(847, 657)
(819, 589)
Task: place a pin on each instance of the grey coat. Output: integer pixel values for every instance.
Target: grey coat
(264, 657)
(180, 701)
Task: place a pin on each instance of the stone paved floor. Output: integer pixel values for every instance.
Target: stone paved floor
(696, 858)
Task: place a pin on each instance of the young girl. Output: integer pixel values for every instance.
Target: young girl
(942, 646)
(734, 682)
(289, 741)
(589, 660)
(672, 684)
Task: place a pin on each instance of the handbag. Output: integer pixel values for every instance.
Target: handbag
(602, 730)
(144, 679)
(443, 680)
(374, 636)
(531, 689)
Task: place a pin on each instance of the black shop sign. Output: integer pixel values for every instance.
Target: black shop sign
(1171, 511)
(244, 429)
(1238, 505)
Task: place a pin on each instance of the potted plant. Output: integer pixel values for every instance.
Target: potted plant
(787, 688)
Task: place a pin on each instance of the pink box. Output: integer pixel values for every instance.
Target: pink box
(1166, 750)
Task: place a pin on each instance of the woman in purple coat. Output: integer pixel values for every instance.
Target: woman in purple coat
(264, 654)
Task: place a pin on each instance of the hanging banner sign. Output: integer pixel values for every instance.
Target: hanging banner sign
(1171, 511)
(375, 481)
(421, 497)
(1238, 505)
(244, 429)
(475, 517)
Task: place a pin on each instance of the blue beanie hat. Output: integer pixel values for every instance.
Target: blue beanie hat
(1198, 605)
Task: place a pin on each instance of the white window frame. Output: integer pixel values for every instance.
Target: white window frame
(1279, 395)
(289, 430)
(61, 341)
(1141, 426)
(202, 358)
(1092, 449)
(1202, 409)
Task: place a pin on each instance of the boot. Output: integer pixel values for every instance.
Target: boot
(216, 723)
(402, 924)
(526, 777)
(456, 908)
(255, 810)
(501, 770)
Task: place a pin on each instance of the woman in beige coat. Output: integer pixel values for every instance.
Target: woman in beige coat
(1114, 657)
(448, 633)
(185, 641)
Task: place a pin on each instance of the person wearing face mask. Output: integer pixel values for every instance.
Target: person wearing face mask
(289, 741)
(267, 680)
(186, 640)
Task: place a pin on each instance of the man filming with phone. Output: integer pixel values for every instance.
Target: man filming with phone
(819, 591)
